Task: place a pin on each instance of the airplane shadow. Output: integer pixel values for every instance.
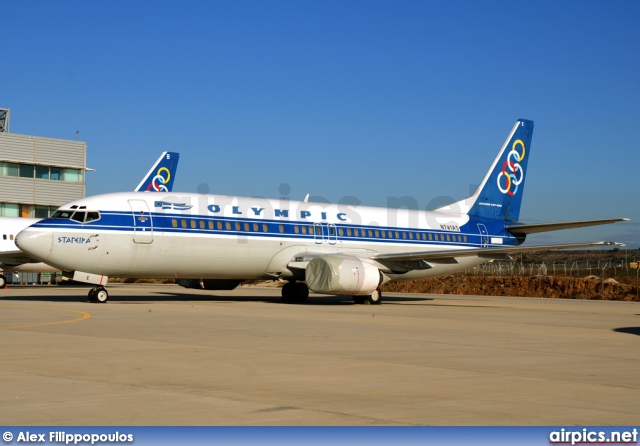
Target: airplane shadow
(628, 330)
(164, 296)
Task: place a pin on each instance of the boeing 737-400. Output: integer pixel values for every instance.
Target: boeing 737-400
(219, 241)
(159, 179)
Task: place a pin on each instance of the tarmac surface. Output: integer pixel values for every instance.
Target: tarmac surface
(166, 355)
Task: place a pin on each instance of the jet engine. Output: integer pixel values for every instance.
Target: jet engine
(342, 275)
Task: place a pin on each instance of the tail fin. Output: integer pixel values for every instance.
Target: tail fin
(500, 194)
(160, 177)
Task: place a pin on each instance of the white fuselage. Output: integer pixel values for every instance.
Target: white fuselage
(209, 236)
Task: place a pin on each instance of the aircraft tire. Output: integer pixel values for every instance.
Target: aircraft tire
(3, 281)
(288, 292)
(359, 300)
(374, 298)
(301, 292)
(90, 295)
(100, 296)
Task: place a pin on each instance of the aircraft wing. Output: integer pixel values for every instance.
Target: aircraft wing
(449, 255)
(544, 227)
(15, 258)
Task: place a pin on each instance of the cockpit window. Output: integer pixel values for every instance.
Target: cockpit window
(92, 216)
(79, 216)
(62, 214)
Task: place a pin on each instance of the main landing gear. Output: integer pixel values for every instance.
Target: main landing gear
(295, 292)
(98, 295)
(374, 298)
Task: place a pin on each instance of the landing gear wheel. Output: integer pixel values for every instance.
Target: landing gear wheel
(98, 295)
(359, 300)
(301, 292)
(288, 292)
(374, 298)
(3, 281)
(295, 292)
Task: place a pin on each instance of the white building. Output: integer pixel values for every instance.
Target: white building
(37, 174)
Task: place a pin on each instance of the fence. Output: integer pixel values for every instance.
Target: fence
(567, 269)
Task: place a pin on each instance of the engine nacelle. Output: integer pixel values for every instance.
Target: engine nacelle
(342, 275)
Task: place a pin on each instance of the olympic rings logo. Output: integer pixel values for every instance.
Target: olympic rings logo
(512, 170)
(159, 181)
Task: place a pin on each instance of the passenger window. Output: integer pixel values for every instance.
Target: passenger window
(210, 224)
(246, 227)
(356, 232)
(465, 239)
(193, 224)
(304, 229)
(318, 230)
(296, 229)
(265, 228)
(397, 234)
(384, 234)
(348, 232)
(227, 225)
(201, 224)
(219, 225)
(430, 236)
(411, 235)
(174, 222)
(332, 231)
(184, 223)
(4, 236)
(448, 238)
(11, 237)
(255, 227)
(370, 232)
(281, 228)
(404, 235)
(377, 234)
(237, 226)
(341, 232)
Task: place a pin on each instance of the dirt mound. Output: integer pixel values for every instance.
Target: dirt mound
(526, 286)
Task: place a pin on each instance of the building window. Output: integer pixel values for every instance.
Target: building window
(41, 211)
(10, 210)
(56, 173)
(9, 169)
(26, 170)
(42, 172)
(73, 176)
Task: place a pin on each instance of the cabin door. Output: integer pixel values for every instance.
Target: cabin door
(142, 222)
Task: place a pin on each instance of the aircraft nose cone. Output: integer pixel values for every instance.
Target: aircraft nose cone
(35, 242)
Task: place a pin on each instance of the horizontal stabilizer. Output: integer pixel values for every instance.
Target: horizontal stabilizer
(545, 227)
(488, 253)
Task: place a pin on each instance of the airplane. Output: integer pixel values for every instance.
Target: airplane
(217, 242)
(160, 178)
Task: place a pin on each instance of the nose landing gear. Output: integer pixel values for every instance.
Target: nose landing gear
(98, 295)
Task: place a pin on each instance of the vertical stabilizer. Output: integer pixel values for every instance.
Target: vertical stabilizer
(499, 196)
(160, 177)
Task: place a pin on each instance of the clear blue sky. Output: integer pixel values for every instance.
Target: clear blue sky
(371, 99)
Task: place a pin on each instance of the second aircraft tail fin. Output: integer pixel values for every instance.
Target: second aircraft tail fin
(160, 177)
